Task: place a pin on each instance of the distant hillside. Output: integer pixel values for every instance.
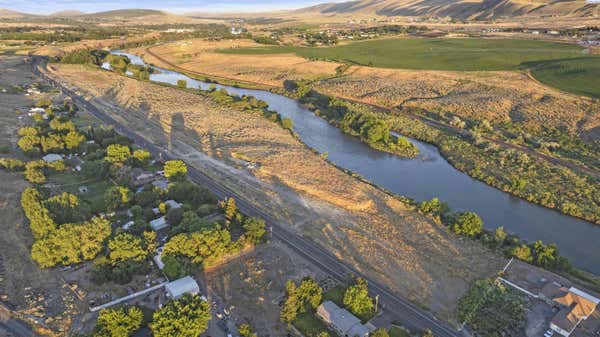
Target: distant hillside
(67, 14)
(8, 14)
(124, 14)
(463, 9)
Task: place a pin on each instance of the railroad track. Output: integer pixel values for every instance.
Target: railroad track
(403, 310)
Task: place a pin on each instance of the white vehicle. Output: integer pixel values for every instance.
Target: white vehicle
(549, 333)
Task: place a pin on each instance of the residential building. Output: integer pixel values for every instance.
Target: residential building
(160, 223)
(173, 204)
(182, 286)
(342, 321)
(163, 184)
(576, 306)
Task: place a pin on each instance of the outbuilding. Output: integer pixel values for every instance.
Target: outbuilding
(158, 224)
(182, 286)
(52, 157)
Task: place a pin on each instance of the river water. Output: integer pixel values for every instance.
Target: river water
(427, 176)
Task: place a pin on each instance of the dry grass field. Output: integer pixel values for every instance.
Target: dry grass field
(500, 96)
(40, 295)
(377, 233)
(197, 55)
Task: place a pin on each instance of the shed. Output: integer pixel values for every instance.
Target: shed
(158, 224)
(182, 286)
(173, 204)
(52, 157)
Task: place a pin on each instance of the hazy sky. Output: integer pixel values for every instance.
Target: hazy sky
(175, 6)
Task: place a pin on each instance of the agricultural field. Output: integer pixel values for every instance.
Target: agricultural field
(463, 54)
(357, 222)
(579, 75)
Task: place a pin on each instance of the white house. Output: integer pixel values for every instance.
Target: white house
(158, 224)
(182, 286)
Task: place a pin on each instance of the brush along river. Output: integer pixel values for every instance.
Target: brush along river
(425, 177)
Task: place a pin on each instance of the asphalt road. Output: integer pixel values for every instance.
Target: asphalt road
(404, 311)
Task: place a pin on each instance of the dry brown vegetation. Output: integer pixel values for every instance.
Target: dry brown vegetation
(197, 55)
(377, 233)
(501, 96)
(37, 294)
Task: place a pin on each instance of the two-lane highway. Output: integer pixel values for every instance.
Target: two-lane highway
(403, 311)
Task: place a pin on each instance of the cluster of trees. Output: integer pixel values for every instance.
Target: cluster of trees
(300, 298)
(469, 224)
(58, 136)
(319, 39)
(127, 254)
(93, 57)
(491, 309)
(63, 34)
(187, 316)
(35, 170)
(384, 30)
(513, 171)
(71, 243)
(372, 128)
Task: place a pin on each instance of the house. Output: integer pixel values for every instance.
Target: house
(342, 321)
(576, 306)
(52, 157)
(182, 286)
(237, 30)
(173, 204)
(163, 184)
(158, 224)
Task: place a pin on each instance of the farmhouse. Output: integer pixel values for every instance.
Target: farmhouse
(578, 311)
(182, 286)
(576, 306)
(342, 321)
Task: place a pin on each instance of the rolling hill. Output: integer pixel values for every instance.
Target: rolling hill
(463, 9)
(8, 14)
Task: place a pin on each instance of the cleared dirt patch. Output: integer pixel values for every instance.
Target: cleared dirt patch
(375, 232)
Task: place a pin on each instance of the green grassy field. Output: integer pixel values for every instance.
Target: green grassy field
(580, 76)
(433, 54)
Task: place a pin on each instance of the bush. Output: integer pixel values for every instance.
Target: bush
(468, 224)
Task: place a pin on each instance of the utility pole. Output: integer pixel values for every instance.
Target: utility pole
(376, 302)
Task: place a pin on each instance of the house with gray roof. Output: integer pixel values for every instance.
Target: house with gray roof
(342, 321)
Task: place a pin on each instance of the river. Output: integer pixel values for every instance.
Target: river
(427, 176)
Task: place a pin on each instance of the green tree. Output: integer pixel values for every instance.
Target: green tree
(116, 197)
(308, 295)
(500, 235)
(118, 322)
(97, 169)
(546, 256)
(12, 164)
(287, 123)
(229, 208)
(142, 157)
(427, 333)
(117, 153)
(73, 140)
(523, 253)
(434, 207)
(125, 246)
(182, 84)
(175, 169)
(357, 299)
(255, 229)
(189, 193)
(184, 317)
(245, 330)
(468, 224)
(381, 332)
(40, 221)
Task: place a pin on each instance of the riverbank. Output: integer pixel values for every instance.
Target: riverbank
(371, 230)
(537, 184)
